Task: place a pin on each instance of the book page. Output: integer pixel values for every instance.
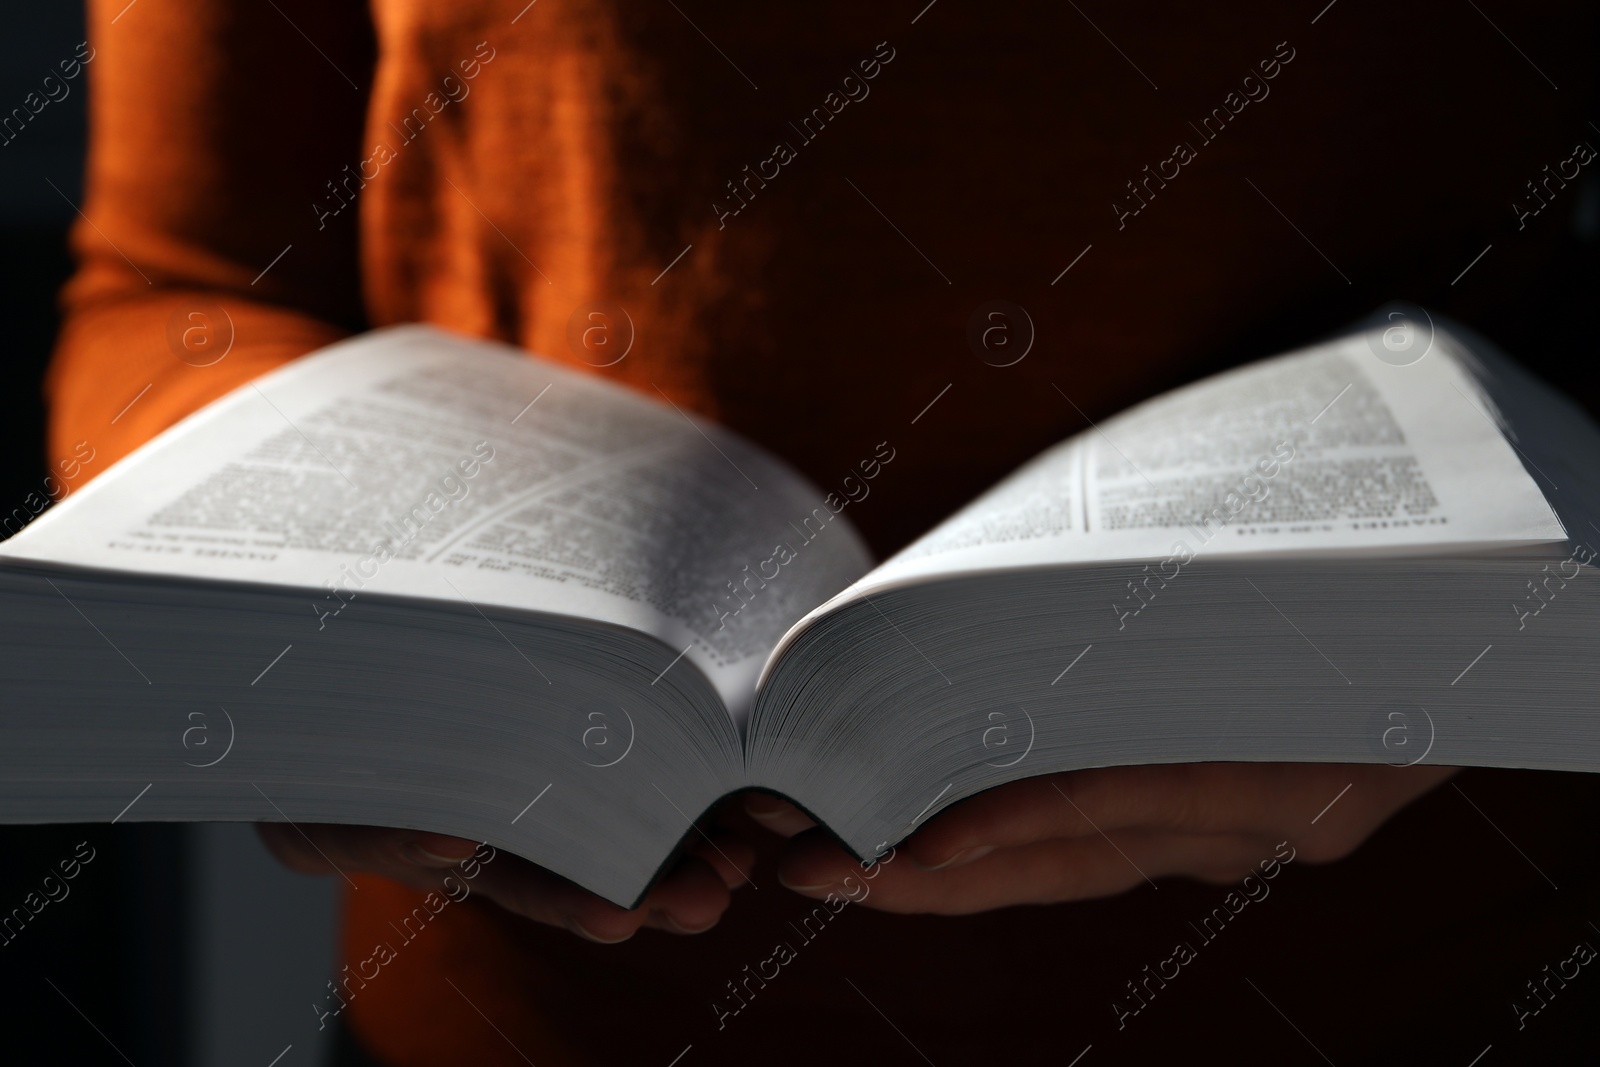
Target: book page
(1325, 451)
(418, 463)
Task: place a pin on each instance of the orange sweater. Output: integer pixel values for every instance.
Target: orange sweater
(801, 208)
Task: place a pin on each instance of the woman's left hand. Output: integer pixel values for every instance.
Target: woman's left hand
(1084, 834)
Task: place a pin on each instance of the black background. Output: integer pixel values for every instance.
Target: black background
(114, 946)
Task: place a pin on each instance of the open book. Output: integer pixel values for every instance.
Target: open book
(420, 580)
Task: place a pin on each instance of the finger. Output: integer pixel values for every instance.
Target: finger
(292, 854)
(436, 850)
(421, 861)
(732, 857)
(544, 897)
(317, 848)
(1264, 800)
(1041, 808)
(1345, 820)
(777, 814)
(691, 898)
(1050, 871)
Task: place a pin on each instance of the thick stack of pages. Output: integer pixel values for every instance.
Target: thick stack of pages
(419, 580)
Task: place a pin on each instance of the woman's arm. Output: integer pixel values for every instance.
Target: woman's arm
(212, 128)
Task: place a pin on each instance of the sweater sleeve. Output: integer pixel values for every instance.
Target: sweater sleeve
(214, 127)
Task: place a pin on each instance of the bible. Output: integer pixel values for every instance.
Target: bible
(420, 580)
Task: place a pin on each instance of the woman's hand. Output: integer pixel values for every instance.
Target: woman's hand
(1085, 834)
(689, 900)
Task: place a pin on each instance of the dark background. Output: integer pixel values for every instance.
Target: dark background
(113, 945)
(102, 968)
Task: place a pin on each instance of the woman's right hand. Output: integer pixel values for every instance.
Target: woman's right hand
(689, 900)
